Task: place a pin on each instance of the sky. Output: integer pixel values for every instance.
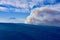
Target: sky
(16, 11)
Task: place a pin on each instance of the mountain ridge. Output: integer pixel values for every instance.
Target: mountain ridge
(18, 31)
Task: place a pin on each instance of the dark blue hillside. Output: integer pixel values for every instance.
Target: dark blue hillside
(10, 31)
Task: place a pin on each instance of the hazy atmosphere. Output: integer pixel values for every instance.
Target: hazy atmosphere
(29, 19)
(17, 11)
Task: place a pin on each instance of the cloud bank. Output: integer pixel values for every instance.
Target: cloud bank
(12, 20)
(25, 5)
(44, 15)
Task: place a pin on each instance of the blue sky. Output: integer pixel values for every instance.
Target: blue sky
(16, 11)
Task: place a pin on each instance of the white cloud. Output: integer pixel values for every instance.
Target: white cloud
(22, 10)
(3, 9)
(44, 15)
(24, 3)
(16, 3)
(17, 20)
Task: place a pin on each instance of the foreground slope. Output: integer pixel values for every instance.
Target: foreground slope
(10, 31)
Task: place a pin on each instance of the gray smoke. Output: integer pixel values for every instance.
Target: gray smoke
(44, 16)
